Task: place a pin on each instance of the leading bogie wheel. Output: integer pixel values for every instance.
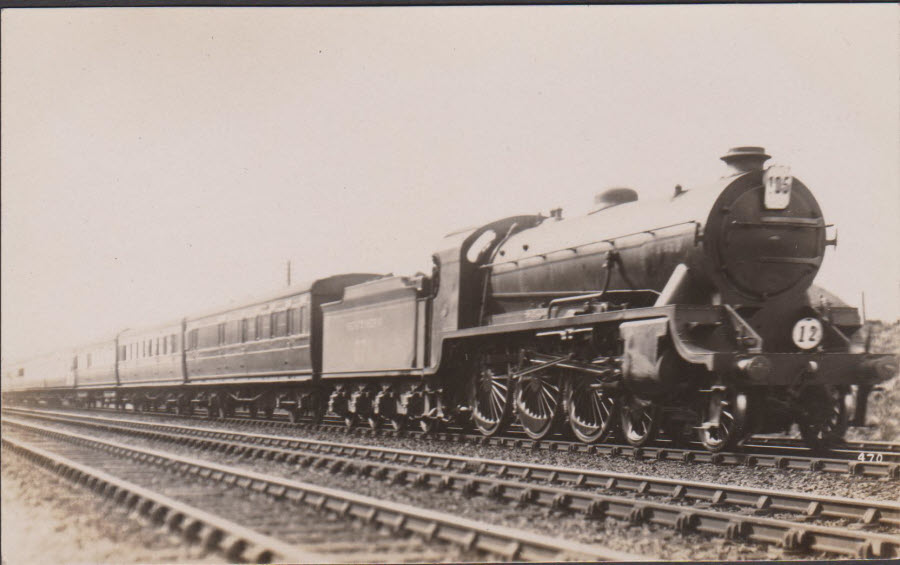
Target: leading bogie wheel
(824, 416)
(728, 409)
(640, 421)
(592, 411)
(537, 399)
(491, 396)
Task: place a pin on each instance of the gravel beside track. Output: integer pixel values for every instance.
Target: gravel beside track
(663, 541)
(47, 521)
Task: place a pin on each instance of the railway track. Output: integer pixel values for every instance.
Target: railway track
(325, 514)
(851, 458)
(790, 520)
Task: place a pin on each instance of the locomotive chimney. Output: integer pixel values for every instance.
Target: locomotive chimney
(741, 160)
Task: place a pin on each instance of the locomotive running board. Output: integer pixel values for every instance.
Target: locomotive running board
(698, 313)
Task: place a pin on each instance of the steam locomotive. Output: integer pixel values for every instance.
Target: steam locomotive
(694, 315)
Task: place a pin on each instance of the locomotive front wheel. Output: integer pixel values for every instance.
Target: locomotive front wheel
(824, 416)
(592, 411)
(729, 430)
(640, 421)
(537, 400)
(490, 398)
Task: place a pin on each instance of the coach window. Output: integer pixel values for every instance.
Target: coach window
(279, 324)
(220, 331)
(263, 326)
(174, 344)
(88, 360)
(234, 331)
(295, 321)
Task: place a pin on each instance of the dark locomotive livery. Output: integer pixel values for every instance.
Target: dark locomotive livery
(694, 315)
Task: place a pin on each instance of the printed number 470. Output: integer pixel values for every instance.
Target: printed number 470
(870, 457)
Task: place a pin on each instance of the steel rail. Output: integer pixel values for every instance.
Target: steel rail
(507, 543)
(786, 458)
(862, 445)
(457, 472)
(234, 541)
(886, 448)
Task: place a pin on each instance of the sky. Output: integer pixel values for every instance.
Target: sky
(163, 161)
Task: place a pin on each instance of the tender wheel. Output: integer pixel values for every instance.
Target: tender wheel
(640, 421)
(592, 411)
(429, 425)
(268, 411)
(350, 421)
(727, 411)
(429, 421)
(824, 416)
(253, 410)
(293, 415)
(490, 397)
(398, 422)
(537, 398)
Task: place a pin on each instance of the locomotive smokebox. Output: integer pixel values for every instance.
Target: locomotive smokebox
(742, 160)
